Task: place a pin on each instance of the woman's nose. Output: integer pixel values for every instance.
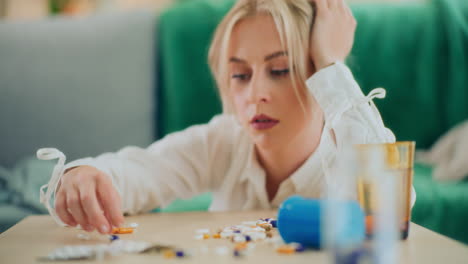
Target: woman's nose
(258, 90)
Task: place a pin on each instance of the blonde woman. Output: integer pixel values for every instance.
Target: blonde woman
(289, 105)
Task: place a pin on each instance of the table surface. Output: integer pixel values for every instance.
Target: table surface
(37, 236)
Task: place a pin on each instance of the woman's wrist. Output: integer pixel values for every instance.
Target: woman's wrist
(321, 64)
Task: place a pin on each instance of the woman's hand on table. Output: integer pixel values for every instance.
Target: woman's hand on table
(87, 197)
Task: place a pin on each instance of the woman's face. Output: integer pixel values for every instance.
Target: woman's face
(261, 88)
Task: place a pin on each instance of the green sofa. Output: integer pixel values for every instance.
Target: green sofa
(417, 51)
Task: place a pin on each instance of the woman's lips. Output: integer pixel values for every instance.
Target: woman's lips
(263, 122)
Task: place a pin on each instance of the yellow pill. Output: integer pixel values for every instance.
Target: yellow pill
(286, 250)
(267, 226)
(206, 236)
(122, 230)
(240, 246)
(168, 254)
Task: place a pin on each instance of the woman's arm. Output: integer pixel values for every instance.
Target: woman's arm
(180, 165)
(351, 117)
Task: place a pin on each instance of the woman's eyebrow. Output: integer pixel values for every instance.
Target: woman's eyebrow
(237, 60)
(275, 55)
(267, 57)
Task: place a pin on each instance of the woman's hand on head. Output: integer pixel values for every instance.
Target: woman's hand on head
(87, 197)
(332, 34)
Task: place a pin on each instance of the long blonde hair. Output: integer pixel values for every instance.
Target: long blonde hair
(293, 20)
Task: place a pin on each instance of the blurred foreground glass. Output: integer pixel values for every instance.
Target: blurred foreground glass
(398, 162)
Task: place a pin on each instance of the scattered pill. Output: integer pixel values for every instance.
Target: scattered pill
(221, 251)
(180, 254)
(203, 231)
(113, 237)
(240, 246)
(133, 225)
(238, 239)
(122, 230)
(274, 223)
(286, 249)
(83, 236)
(168, 254)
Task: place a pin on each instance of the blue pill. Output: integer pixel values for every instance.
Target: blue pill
(300, 248)
(113, 237)
(237, 253)
(274, 223)
(248, 238)
(180, 254)
(237, 231)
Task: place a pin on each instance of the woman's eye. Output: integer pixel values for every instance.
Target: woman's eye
(279, 73)
(241, 77)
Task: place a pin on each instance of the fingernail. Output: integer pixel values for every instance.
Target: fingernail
(104, 229)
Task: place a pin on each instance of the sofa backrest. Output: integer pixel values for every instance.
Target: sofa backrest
(84, 85)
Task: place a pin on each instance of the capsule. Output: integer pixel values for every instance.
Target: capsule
(122, 230)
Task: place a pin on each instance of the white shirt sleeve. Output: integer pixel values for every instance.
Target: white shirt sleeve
(180, 165)
(351, 117)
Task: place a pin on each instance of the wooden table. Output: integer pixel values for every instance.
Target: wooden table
(38, 235)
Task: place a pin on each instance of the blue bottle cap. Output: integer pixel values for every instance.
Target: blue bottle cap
(300, 221)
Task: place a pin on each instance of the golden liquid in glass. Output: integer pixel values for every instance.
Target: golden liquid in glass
(367, 198)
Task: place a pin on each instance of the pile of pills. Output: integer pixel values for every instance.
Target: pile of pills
(244, 238)
(98, 251)
(246, 235)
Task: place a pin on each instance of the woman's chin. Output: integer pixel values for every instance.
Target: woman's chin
(265, 141)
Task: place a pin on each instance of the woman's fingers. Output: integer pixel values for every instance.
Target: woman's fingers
(322, 5)
(92, 209)
(110, 202)
(333, 4)
(332, 36)
(61, 209)
(349, 12)
(75, 209)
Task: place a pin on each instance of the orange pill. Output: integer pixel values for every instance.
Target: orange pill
(286, 250)
(240, 246)
(122, 230)
(206, 236)
(266, 226)
(168, 254)
(216, 236)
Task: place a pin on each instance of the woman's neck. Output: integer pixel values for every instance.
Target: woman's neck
(281, 163)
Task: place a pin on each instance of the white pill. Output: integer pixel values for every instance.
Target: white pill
(203, 231)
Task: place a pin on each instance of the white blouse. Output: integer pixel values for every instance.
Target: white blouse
(219, 156)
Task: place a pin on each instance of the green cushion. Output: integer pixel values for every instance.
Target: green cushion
(188, 95)
(417, 51)
(442, 207)
(198, 203)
